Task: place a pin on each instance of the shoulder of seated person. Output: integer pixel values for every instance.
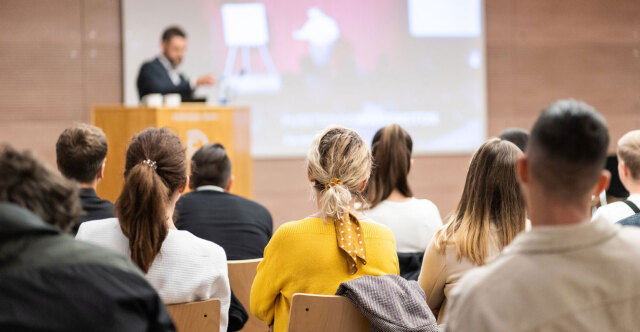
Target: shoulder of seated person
(204, 247)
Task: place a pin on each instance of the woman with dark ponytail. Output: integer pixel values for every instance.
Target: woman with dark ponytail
(182, 267)
(391, 203)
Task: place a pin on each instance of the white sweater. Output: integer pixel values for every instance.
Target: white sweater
(412, 222)
(186, 269)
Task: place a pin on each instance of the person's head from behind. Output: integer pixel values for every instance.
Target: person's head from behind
(81, 152)
(155, 175)
(517, 136)
(564, 162)
(491, 202)
(210, 165)
(629, 160)
(29, 183)
(338, 165)
(174, 44)
(391, 149)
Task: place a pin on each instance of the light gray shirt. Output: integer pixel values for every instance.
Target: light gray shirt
(583, 277)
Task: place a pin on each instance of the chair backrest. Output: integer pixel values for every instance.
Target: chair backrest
(196, 316)
(241, 275)
(315, 313)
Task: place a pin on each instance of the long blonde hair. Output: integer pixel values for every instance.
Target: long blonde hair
(491, 195)
(338, 153)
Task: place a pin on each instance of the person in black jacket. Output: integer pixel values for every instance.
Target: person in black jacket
(241, 226)
(161, 76)
(81, 153)
(48, 280)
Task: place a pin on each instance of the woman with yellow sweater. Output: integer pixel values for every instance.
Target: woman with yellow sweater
(336, 244)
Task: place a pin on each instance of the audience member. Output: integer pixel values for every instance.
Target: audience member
(314, 255)
(81, 153)
(413, 221)
(489, 215)
(240, 226)
(517, 136)
(566, 274)
(181, 266)
(629, 174)
(49, 281)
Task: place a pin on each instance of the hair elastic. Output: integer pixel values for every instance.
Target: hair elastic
(333, 182)
(150, 163)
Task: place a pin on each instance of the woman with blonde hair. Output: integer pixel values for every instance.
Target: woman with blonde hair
(336, 244)
(391, 203)
(490, 214)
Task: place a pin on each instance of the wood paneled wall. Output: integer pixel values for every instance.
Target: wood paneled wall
(60, 57)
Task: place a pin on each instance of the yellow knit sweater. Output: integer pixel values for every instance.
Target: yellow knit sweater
(303, 257)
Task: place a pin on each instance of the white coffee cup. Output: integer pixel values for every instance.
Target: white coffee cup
(152, 100)
(172, 100)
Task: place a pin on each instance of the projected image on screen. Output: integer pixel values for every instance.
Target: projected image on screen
(303, 65)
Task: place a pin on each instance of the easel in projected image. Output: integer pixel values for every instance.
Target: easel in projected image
(245, 28)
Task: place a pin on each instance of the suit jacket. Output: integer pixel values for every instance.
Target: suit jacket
(241, 226)
(154, 78)
(94, 207)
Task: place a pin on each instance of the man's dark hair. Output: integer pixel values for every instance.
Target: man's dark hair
(568, 148)
(210, 165)
(81, 151)
(29, 183)
(517, 136)
(171, 32)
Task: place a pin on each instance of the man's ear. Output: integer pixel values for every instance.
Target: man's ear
(522, 170)
(227, 188)
(603, 183)
(100, 174)
(623, 169)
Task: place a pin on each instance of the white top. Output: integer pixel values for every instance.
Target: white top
(616, 211)
(412, 222)
(580, 277)
(186, 269)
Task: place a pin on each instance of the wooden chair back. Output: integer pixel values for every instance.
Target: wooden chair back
(316, 313)
(241, 275)
(202, 316)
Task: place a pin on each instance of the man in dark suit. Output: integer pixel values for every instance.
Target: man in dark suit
(81, 153)
(161, 76)
(241, 226)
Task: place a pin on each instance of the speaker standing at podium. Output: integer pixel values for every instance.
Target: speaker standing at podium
(161, 75)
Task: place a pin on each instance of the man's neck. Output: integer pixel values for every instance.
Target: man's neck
(557, 213)
(93, 185)
(633, 187)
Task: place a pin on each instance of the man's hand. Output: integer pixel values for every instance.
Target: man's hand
(205, 80)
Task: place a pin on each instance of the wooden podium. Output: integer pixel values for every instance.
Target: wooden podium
(195, 123)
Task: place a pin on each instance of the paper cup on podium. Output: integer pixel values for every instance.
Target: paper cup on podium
(152, 100)
(172, 100)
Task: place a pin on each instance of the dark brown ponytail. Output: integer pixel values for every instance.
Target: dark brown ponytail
(155, 168)
(391, 149)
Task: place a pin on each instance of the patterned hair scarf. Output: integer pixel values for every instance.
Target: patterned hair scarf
(349, 237)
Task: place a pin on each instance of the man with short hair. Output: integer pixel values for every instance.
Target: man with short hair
(629, 174)
(48, 280)
(517, 136)
(81, 153)
(241, 226)
(161, 75)
(566, 274)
